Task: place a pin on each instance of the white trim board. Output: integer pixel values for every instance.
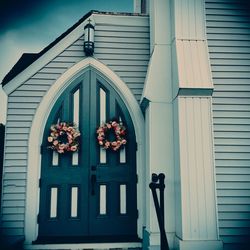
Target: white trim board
(37, 129)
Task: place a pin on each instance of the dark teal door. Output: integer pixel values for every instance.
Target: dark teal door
(89, 195)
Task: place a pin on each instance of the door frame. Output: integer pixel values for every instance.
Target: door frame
(37, 130)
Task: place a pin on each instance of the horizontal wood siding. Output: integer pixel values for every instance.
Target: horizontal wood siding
(124, 48)
(228, 33)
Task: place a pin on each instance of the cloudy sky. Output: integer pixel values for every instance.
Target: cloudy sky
(30, 25)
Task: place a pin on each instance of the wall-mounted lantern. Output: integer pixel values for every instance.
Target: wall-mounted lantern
(88, 45)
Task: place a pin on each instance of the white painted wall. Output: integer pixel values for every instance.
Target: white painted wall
(228, 42)
(178, 92)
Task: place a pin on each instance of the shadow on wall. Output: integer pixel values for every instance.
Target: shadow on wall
(6, 242)
(11, 243)
(2, 130)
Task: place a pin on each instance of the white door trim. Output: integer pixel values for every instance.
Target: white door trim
(37, 129)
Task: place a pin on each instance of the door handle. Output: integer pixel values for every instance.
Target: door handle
(93, 182)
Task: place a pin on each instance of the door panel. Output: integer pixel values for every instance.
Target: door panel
(91, 193)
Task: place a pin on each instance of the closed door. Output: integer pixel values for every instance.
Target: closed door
(89, 195)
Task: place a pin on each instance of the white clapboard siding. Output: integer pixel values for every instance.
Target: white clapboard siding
(228, 33)
(124, 48)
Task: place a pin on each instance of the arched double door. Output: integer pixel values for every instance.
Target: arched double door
(88, 196)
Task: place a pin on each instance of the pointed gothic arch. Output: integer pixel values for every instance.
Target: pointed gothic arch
(37, 129)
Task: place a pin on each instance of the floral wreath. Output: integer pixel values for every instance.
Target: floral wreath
(119, 131)
(64, 137)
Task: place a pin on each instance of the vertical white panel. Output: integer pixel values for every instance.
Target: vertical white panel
(196, 163)
(76, 121)
(123, 150)
(196, 55)
(74, 201)
(189, 19)
(103, 199)
(193, 64)
(123, 205)
(200, 175)
(184, 152)
(75, 158)
(123, 155)
(53, 202)
(188, 63)
(76, 108)
(103, 156)
(184, 19)
(204, 62)
(102, 106)
(192, 157)
(55, 158)
(181, 66)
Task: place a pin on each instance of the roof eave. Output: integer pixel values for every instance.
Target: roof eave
(8, 80)
(59, 45)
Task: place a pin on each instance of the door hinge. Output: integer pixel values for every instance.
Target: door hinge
(40, 182)
(136, 178)
(136, 146)
(137, 214)
(38, 218)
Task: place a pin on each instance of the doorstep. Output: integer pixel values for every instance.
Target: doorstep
(86, 246)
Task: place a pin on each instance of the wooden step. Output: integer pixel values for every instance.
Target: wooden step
(130, 248)
(97, 246)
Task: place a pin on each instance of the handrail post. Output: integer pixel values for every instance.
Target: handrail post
(162, 187)
(158, 183)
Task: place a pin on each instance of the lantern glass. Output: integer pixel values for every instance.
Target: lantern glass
(89, 39)
(89, 34)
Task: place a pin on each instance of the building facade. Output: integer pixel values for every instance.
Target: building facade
(177, 77)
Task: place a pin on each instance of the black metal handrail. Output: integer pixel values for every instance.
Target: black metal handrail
(158, 183)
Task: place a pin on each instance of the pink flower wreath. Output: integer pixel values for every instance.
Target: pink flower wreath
(64, 137)
(119, 131)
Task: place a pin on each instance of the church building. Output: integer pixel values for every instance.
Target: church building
(119, 97)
